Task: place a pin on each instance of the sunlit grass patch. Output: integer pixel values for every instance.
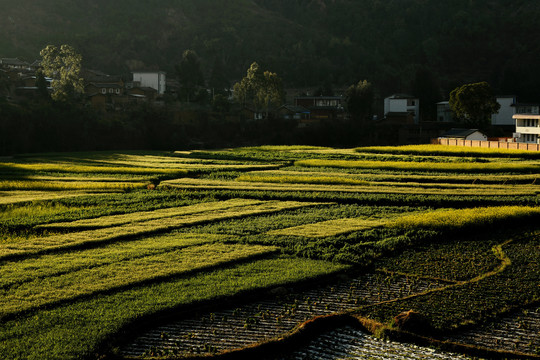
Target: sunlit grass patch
(15, 272)
(86, 281)
(283, 148)
(445, 219)
(22, 196)
(89, 169)
(70, 185)
(518, 167)
(115, 220)
(330, 227)
(442, 150)
(300, 179)
(38, 245)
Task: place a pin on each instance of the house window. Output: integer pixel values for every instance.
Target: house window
(103, 91)
(111, 90)
(118, 91)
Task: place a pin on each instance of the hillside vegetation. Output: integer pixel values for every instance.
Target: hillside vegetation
(307, 42)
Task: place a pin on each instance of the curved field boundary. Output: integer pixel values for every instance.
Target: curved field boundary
(354, 344)
(209, 335)
(239, 327)
(505, 262)
(80, 239)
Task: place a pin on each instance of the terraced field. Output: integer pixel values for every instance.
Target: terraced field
(252, 252)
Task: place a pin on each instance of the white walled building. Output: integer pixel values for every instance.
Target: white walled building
(400, 103)
(507, 110)
(527, 128)
(465, 134)
(152, 79)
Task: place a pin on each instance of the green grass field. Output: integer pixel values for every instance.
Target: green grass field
(92, 243)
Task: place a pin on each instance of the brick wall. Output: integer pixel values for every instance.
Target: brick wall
(486, 144)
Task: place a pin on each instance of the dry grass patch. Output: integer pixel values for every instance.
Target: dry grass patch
(330, 227)
(519, 167)
(16, 196)
(445, 219)
(57, 185)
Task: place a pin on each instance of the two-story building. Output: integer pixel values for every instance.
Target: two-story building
(527, 128)
(403, 106)
(321, 107)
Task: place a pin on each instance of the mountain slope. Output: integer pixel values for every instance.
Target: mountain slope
(307, 42)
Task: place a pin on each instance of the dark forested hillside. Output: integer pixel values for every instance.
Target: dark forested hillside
(308, 42)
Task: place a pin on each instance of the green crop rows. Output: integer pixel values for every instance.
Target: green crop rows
(92, 243)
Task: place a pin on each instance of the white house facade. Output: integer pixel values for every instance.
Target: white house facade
(464, 134)
(527, 128)
(506, 111)
(400, 103)
(152, 79)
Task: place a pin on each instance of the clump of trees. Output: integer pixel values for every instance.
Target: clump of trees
(63, 65)
(261, 89)
(359, 98)
(474, 104)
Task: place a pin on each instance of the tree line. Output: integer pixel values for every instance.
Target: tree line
(63, 121)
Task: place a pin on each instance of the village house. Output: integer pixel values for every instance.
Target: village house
(322, 107)
(249, 113)
(154, 79)
(527, 128)
(464, 134)
(402, 108)
(510, 107)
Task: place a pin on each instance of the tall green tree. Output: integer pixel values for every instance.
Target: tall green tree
(359, 99)
(262, 89)
(474, 104)
(190, 75)
(63, 65)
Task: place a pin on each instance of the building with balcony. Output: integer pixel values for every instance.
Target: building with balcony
(527, 128)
